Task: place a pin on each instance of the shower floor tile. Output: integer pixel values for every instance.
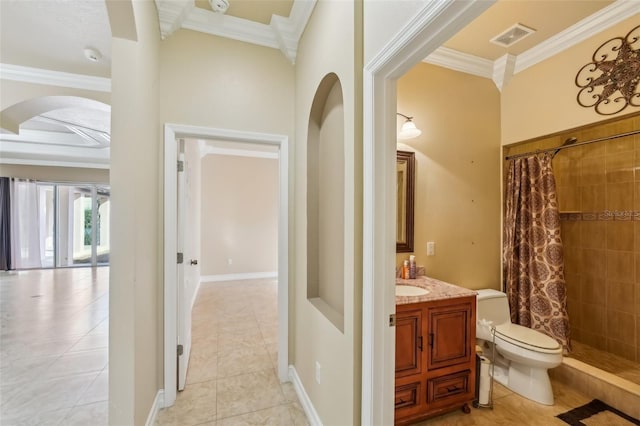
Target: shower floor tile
(606, 361)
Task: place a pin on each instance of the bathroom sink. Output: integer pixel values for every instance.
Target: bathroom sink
(410, 290)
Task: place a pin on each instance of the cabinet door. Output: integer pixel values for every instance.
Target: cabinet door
(449, 335)
(409, 343)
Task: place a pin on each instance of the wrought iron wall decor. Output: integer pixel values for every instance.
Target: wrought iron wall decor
(610, 82)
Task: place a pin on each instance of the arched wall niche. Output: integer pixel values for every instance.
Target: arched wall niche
(325, 201)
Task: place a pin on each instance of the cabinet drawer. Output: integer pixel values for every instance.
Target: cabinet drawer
(442, 388)
(407, 395)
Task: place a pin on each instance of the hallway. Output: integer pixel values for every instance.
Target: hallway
(232, 372)
(54, 346)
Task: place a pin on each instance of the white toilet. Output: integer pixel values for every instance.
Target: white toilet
(523, 355)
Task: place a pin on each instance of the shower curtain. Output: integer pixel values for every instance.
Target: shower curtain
(533, 260)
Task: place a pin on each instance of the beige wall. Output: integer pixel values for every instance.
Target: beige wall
(55, 174)
(240, 211)
(217, 82)
(542, 99)
(457, 196)
(135, 325)
(329, 44)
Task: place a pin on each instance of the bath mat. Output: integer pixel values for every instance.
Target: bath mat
(597, 413)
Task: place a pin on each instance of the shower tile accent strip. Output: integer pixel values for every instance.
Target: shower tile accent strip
(606, 215)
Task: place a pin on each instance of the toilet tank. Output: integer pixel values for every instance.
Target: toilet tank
(492, 305)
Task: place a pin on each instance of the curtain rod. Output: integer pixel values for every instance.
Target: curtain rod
(558, 148)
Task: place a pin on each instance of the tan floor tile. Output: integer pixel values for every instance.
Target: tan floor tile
(248, 392)
(289, 392)
(195, 405)
(297, 414)
(244, 360)
(232, 326)
(275, 416)
(203, 366)
(230, 340)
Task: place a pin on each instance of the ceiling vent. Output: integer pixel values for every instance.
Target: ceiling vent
(512, 35)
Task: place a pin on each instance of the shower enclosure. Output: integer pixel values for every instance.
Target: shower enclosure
(598, 187)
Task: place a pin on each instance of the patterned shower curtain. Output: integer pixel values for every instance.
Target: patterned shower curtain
(533, 260)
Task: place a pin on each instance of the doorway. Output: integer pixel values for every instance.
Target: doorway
(425, 32)
(172, 134)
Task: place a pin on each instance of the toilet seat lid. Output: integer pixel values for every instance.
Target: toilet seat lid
(526, 337)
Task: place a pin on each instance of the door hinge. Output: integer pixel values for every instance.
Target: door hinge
(392, 320)
(180, 166)
(180, 258)
(180, 350)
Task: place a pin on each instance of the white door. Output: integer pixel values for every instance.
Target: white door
(183, 302)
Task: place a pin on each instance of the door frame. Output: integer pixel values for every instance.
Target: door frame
(173, 132)
(429, 28)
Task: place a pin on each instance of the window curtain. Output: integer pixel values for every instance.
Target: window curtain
(5, 224)
(533, 259)
(27, 245)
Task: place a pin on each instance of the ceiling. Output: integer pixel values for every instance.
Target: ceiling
(43, 40)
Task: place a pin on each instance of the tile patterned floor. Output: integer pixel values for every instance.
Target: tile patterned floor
(606, 361)
(54, 347)
(53, 359)
(510, 408)
(232, 378)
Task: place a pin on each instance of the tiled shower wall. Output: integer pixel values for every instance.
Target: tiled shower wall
(599, 195)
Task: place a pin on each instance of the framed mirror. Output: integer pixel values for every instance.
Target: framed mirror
(405, 173)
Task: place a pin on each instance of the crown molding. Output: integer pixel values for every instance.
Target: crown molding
(230, 27)
(282, 32)
(54, 78)
(459, 61)
(502, 69)
(171, 14)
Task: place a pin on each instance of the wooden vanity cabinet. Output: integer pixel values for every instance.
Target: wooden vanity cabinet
(435, 358)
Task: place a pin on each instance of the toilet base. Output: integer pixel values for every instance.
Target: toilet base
(532, 383)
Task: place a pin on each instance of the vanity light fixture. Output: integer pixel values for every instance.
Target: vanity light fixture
(409, 129)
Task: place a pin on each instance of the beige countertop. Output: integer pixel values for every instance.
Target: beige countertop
(438, 290)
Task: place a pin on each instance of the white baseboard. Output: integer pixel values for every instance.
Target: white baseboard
(307, 405)
(158, 404)
(236, 277)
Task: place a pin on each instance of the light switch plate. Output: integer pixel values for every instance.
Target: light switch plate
(431, 248)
